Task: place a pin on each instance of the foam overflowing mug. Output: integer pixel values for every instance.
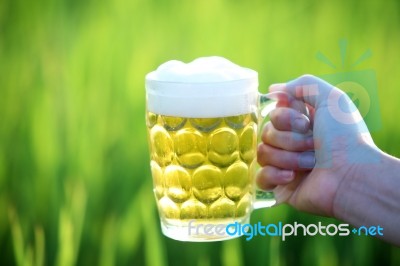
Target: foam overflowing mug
(202, 120)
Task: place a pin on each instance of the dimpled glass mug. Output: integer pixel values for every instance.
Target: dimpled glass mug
(202, 120)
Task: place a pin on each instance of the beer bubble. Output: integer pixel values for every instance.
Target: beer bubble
(248, 143)
(223, 147)
(244, 205)
(190, 147)
(222, 208)
(238, 121)
(169, 208)
(205, 124)
(172, 123)
(207, 183)
(236, 180)
(193, 209)
(158, 179)
(177, 183)
(162, 145)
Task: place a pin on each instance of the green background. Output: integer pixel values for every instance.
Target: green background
(75, 185)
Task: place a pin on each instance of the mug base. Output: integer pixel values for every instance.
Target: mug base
(203, 230)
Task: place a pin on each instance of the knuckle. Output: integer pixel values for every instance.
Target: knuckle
(307, 78)
(288, 141)
(274, 114)
(280, 117)
(284, 118)
(266, 155)
(266, 133)
(264, 179)
(262, 154)
(287, 160)
(294, 142)
(277, 113)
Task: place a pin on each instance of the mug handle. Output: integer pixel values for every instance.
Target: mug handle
(267, 103)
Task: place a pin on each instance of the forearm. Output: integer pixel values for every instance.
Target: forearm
(370, 196)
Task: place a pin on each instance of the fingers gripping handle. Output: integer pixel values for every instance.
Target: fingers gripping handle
(267, 103)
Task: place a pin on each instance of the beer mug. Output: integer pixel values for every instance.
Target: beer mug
(202, 121)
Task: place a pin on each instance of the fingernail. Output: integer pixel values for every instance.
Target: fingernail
(307, 160)
(287, 175)
(277, 86)
(300, 124)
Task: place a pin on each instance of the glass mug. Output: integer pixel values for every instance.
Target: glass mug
(203, 146)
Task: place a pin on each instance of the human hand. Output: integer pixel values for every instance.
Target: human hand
(307, 157)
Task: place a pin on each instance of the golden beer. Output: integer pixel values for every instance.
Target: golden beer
(202, 168)
(202, 122)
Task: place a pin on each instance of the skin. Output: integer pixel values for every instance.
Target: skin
(321, 159)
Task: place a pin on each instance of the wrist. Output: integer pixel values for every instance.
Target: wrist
(369, 196)
(360, 177)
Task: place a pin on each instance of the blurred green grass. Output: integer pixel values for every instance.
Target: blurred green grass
(75, 186)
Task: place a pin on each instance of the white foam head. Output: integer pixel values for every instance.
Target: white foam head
(206, 87)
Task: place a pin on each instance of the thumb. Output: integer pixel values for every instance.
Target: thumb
(309, 89)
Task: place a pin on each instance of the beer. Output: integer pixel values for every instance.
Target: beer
(202, 122)
(202, 168)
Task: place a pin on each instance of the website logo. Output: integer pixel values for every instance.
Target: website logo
(284, 231)
(360, 85)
